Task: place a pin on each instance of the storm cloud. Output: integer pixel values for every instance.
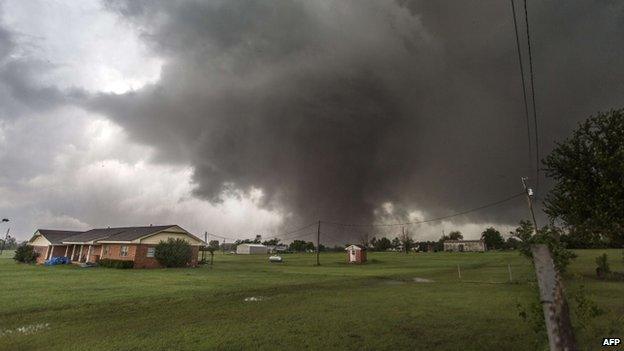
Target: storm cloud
(352, 111)
(336, 107)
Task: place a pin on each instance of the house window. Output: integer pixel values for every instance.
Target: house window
(151, 251)
(106, 250)
(123, 251)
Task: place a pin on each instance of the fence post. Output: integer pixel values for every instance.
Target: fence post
(458, 272)
(509, 269)
(556, 312)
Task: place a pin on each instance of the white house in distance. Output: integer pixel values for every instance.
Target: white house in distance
(251, 249)
(464, 245)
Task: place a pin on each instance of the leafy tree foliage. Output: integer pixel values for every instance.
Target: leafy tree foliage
(25, 254)
(382, 244)
(272, 242)
(396, 243)
(549, 235)
(301, 246)
(174, 253)
(512, 243)
(455, 235)
(10, 244)
(588, 170)
(493, 239)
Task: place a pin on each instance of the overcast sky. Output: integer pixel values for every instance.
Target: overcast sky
(241, 117)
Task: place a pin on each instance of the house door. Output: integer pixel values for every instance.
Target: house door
(461, 247)
(352, 256)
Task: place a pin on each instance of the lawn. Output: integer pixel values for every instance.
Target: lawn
(376, 306)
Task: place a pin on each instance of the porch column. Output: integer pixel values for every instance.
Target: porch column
(51, 252)
(101, 251)
(89, 253)
(73, 251)
(80, 254)
(66, 250)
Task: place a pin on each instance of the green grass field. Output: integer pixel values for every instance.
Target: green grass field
(377, 306)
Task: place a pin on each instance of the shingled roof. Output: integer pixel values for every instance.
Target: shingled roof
(116, 234)
(57, 236)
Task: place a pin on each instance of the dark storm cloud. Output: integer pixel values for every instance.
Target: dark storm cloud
(333, 107)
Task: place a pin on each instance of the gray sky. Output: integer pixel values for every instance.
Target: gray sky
(260, 116)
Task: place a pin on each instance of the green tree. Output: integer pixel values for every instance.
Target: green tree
(549, 235)
(382, 244)
(493, 239)
(301, 245)
(174, 253)
(272, 242)
(588, 169)
(512, 243)
(455, 235)
(396, 243)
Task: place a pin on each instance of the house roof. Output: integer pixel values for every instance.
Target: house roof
(120, 234)
(252, 245)
(57, 236)
(360, 247)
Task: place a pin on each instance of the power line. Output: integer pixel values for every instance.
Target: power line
(524, 95)
(491, 204)
(532, 76)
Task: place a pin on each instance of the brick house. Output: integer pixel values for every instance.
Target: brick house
(136, 244)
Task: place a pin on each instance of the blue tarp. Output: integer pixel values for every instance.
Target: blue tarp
(57, 260)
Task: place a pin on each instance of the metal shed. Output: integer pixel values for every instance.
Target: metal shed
(251, 249)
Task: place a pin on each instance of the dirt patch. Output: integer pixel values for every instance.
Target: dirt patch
(422, 280)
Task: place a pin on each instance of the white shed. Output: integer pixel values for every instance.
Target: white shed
(251, 249)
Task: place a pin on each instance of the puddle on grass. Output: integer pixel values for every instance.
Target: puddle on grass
(422, 280)
(254, 298)
(25, 330)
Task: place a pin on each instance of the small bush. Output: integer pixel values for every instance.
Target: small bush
(603, 266)
(120, 264)
(174, 253)
(25, 254)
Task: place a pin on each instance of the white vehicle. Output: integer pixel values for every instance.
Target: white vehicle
(276, 259)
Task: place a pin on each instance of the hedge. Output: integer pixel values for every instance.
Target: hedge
(121, 264)
(26, 254)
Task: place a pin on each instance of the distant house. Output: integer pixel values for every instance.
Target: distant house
(251, 249)
(356, 253)
(464, 245)
(136, 244)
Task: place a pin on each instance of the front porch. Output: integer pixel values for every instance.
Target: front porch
(76, 253)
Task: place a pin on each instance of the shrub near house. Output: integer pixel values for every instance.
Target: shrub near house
(25, 254)
(174, 253)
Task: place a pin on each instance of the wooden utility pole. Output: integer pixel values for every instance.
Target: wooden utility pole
(529, 194)
(318, 243)
(205, 247)
(554, 304)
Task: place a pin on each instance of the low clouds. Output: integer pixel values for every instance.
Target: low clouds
(331, 108)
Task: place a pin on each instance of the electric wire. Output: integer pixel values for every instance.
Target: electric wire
(524, 94)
